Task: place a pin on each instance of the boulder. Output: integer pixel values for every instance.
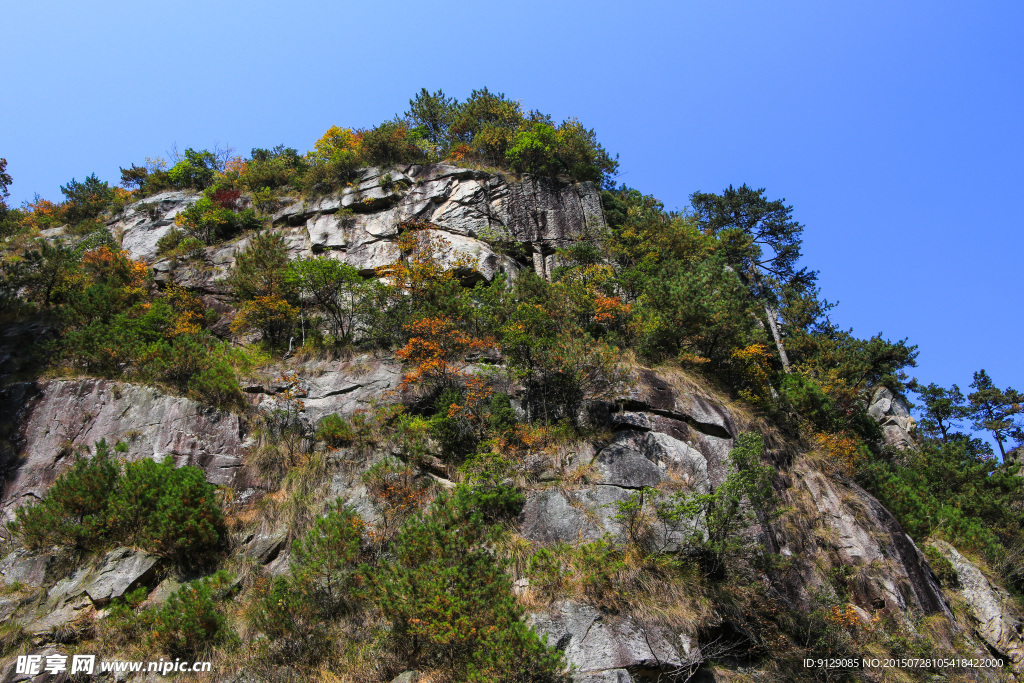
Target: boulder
(407, 677)
(681, 461)
(991, 608)
(163, 590)
(28, 569)
(647, 391)
(892, 413)
(121, 571)
(594, 642)
(143, 223)
(624, 463)
(265, 547)
(65, 604)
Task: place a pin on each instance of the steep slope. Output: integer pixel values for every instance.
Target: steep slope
(828, 563)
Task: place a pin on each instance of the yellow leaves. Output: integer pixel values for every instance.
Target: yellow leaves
(842, 451)
(334, 141)
(188, 308)
(264, 313)
(755, 366)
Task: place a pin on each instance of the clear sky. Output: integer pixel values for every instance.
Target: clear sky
(893, 128)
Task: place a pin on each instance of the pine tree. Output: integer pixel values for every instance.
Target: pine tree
(762, 244)
(996, 411)
(942, 409)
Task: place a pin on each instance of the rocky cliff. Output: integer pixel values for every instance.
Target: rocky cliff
(662, 430)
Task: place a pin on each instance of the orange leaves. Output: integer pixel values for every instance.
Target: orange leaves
(461, 152)
(843, 452)
(43, 208)
(437, 349)
(114, 268)
(610, 310)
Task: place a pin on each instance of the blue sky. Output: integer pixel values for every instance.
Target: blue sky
(892, 128)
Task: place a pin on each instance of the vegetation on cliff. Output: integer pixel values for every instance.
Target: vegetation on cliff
(500, 378)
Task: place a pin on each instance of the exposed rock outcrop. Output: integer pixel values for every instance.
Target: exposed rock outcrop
(121, 571)
(601, 647)
(143, 223)
(997, 625)
(66, 414)
(842, 525)
(892, 413)
(359, 224)
(75, 597)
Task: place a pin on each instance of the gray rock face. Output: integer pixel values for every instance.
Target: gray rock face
(25, 568)
(144, 222)
(655, 404)
(406, 677)
(121, 571)
(65, 604)
(990, 608)
(350, 386)
(570, 515)
(681, 461)
(851, 526)
(600, 647)
(892, 413)
(265, 547)
(359, 224)
(73, 598)
(325, 388)
(72, 413)
(625, 464)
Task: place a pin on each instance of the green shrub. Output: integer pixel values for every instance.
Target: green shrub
(170, 511)
(390, 143)
(216, 384)
(592, 568)
(335, 431)
(495, 501)
(74, 510)
(167, 244)
(167, 510)
(944, 570)
(269, 169)
(294, 628)
(85, 200)
(325, 584)
(209, 222)
(191, 621)
(450, 604)
(195, 170)
(534, 150)
(324, 561)
(953, 490)
(501, 417)
(455, 434)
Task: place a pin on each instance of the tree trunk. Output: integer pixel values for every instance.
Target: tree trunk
(773, 323)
